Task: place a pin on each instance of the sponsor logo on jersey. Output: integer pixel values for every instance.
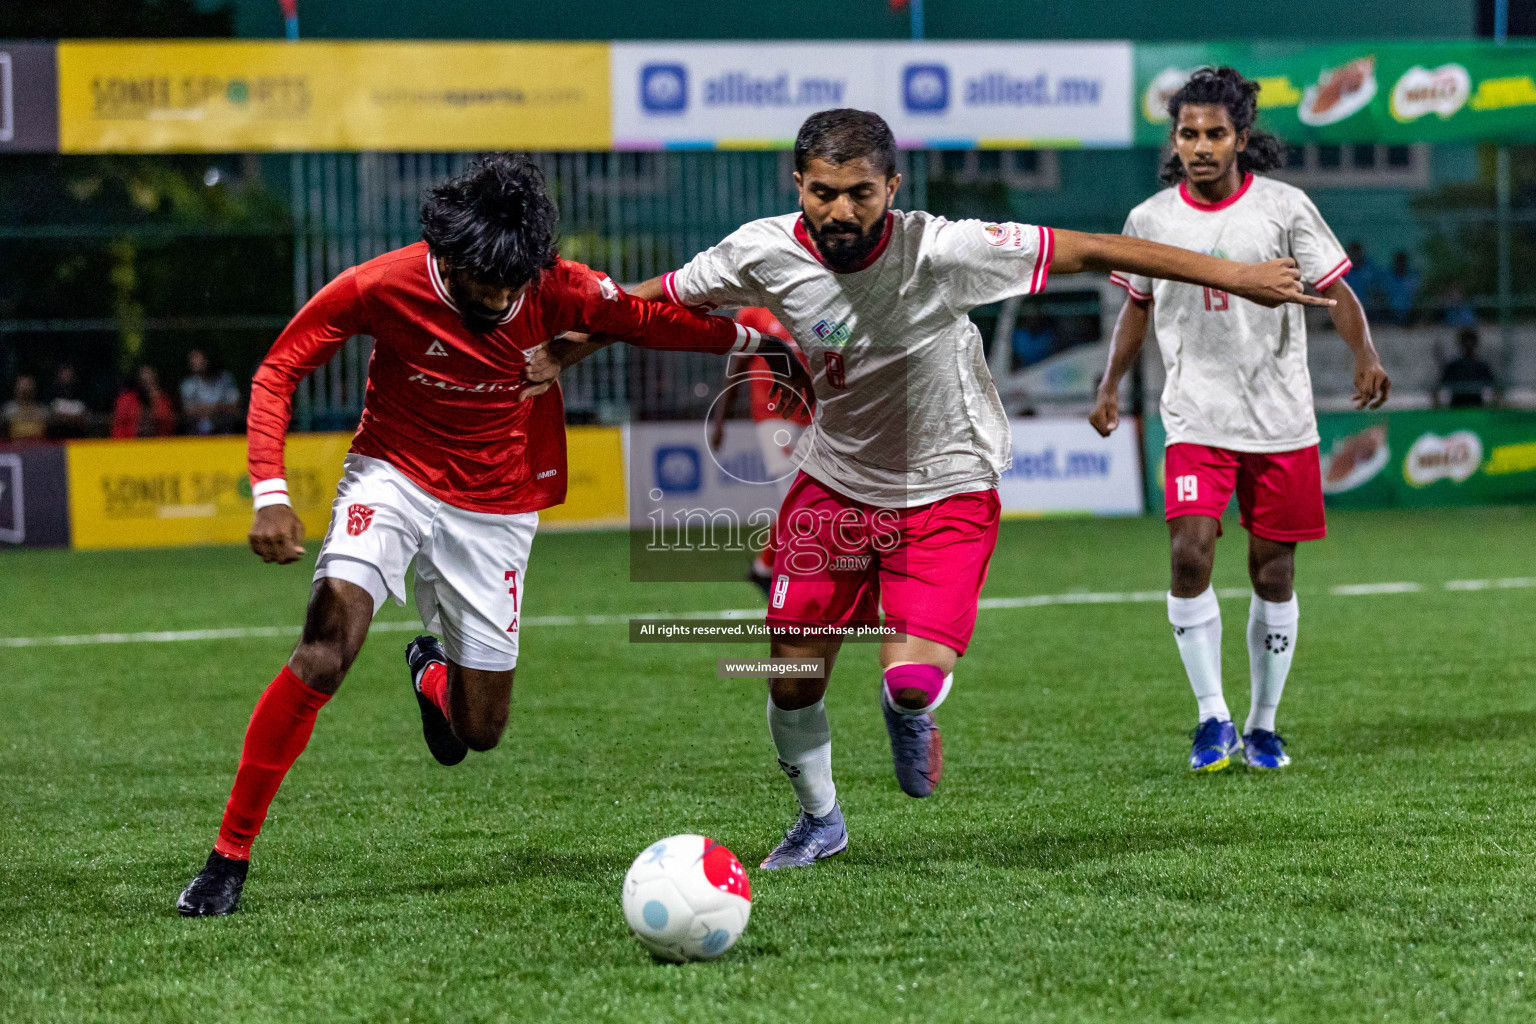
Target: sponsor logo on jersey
(609, 289)
(925, 88)
(780, 590)
(359, 518)
(663, 88)
(547, 474)
(483, 388)
(832, 333)
(436, 348)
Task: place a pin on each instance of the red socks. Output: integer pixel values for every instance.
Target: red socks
(434, 685)
(279, 729)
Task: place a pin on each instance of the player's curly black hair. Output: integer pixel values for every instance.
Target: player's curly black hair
(838, 136)
(495, 221)
(1240, 96)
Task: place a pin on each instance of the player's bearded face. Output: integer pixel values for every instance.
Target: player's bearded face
(845, 207)
(481, 306)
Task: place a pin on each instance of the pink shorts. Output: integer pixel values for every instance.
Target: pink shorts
(838, 561)
(1279, 494)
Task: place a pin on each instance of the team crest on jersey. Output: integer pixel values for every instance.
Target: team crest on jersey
(609, 289)
(1004, 236)
(359, 518)
(832, 333)
(436, 348)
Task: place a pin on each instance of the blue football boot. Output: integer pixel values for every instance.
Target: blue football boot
(1215, 743)
(1265, 749)
(809, 840)
(916, 750)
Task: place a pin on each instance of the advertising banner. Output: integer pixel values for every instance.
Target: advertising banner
(935, 95)
(194, 490)
(34, 506)
(255, 96)
(1379, 92)
(1063, 467)
(29, 98)
(594, 495)
(1407, 459)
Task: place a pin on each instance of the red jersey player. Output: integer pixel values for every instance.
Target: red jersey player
(895, 507)
(454, 458)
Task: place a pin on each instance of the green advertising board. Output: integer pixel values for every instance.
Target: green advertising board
(1405, 459)
(1382, 92)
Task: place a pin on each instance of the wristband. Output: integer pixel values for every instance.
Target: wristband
(270, 492)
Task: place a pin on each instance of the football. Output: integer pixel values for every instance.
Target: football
(687, 898)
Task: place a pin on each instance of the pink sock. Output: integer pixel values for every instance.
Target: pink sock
(903, 680)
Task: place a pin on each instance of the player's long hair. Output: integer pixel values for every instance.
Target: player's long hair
(495, 221)
(1240, 96)
(838, 136)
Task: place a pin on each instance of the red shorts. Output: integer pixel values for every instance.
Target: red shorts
(1279, 494)
(838, 561)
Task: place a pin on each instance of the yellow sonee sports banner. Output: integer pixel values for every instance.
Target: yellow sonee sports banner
(253, 96)
(194, 490)
(174, 492)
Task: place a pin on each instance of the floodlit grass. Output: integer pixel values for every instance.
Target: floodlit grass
(1069, 869)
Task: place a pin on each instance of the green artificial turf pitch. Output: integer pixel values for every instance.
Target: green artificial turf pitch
(1069, 869)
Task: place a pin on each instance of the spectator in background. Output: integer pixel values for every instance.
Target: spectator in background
(1402, 288)
(1458, 311)
(1468, 380)
(210, 402)
(26, 418)
(1033, 340)
(1364, 278)
(67, 415)
(142, 409)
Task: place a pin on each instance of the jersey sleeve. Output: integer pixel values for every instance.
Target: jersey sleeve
(977, 262)
(718, 276)
(592, 303)
(1318, 254)
(1137, 286)
(333, 315)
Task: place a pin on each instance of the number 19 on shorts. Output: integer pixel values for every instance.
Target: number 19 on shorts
(1187, 488)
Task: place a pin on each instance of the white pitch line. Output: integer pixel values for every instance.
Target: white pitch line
(1363, 589)
(986, 604)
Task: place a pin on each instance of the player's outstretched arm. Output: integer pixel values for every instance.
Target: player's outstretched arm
(309, 341)
(1372, 385)
(1124, 347)
(1269, 284)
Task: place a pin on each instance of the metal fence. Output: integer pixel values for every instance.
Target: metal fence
(631, 215)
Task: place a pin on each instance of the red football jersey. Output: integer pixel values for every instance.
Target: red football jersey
(764, 407)
(441, 403)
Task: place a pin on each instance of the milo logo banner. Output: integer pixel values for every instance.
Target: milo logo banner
(1384, 92)
(1414, 458)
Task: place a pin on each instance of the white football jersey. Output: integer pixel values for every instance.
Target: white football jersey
(1237, 372)
(906, 411)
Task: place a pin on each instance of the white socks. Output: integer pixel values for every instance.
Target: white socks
(1271, 646)
(804, 742)
(1197, 631)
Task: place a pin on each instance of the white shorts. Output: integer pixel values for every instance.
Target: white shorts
(470, 566)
